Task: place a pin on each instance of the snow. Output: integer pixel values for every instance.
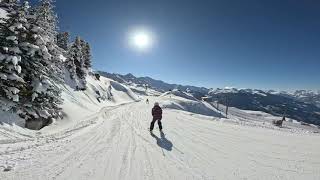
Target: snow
(3, 76)
(11, 120)
(259, 93)
(15, 77)
(104, 134)
(18, 69)
(14, 90)
(44, 114)
(139, 90)
(12, 38)
(182, 101)
(2, 57)
(62, 58)
(15, 98)
(3, 14)
(115, 143)
(176, 92)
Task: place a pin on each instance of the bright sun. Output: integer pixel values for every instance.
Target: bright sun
(141, 40)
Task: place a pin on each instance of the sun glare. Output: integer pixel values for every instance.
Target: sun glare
(141, 40)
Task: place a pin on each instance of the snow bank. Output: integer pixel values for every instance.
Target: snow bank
(183, 101)
(77, 105)
(178, 93)
(10, 118)
(143, 92)
(99, 93)
(122, 93)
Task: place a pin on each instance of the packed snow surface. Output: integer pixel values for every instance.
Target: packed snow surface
(104, 135)
(115, 144)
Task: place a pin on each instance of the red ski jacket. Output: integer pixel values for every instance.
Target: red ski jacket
(157, 112)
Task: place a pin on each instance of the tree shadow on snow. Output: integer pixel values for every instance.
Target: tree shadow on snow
(163, 142)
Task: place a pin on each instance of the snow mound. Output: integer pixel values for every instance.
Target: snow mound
(123, 93)
(185, 102)
(142, 90)
(10, 118)
(99, 94)
(178, 93)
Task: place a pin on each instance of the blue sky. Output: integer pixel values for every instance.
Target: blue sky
(270, 44)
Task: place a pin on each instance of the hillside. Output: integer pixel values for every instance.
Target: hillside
(152, 83)
(115, 142)
(276, 104)
(301, 105)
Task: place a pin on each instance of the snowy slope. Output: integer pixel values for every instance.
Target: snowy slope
(186, 102)
(99, 94)
(264, 120)
(269, 102)
(142, 90)
(115, 144)
(104, 135)
(301, 105)
(77, 106)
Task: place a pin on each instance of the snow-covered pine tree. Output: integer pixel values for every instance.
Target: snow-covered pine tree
(41, 97)
(70, 66)
(47, 19)
(63, 40)
(87, 56)
(72, 56)
(76, 65)
(12, 30)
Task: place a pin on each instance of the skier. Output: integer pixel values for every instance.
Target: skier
(157, 116)
(147, 101)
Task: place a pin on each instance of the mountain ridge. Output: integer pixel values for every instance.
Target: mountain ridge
(152, 83)
(298, 93)
(302, 105)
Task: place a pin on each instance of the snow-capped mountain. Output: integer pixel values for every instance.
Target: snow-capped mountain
(307, 96)
(311, 97)
(300, 105)
(158, 85)
(268, 101)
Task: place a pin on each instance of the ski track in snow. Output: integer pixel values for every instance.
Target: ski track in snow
(116, 144)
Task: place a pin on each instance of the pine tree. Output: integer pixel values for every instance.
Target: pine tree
(71, 67)
(76, 63)
(13, 29)
(87, 55)
(63, 40)
(41, 97)
(47, 18)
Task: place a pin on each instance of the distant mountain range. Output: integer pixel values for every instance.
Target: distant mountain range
(151, 83)
(307, 96)
(302, 105)
(291, 105)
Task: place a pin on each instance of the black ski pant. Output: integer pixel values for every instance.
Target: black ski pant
(152, 124)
